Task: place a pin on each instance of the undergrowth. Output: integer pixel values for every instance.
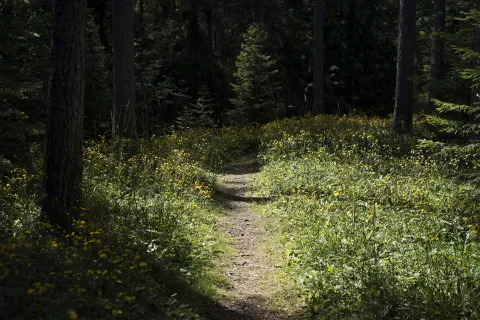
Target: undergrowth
(373, 227)
(145, 245)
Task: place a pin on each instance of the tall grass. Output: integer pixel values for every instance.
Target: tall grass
(372, 227)
(146, 244)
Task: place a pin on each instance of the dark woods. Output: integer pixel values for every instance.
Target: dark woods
(133, 69)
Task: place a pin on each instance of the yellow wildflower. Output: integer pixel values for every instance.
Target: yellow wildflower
(72, 315)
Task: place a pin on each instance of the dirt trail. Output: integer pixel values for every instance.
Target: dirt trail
(249, 269)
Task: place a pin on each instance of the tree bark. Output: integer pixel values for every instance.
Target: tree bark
(124, 118)
(210, 44)
(437, 65)
(63, 153)
(211, 62)
(319, 67)
(142, 12)
(402, 120)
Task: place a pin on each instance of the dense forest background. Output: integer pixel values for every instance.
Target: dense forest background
(188, 55)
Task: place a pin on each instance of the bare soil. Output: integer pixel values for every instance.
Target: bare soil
(249, 271)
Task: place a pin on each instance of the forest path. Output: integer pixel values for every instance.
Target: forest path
(250, 270)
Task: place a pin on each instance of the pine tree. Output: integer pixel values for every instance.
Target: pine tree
(256, 84)
(200, 113)
(456, 125)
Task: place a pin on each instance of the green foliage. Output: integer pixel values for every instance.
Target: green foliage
(372, 227)
(457, 131)
(24, 58)
(459, 55)
(145, 245)
(217, 149)
(198, 114)
(456, 123)
(256, 84)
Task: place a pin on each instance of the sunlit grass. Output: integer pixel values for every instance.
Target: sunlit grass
(146, 244)
(373, 227)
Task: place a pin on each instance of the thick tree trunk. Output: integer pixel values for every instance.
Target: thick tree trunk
(402, 119)
(437, 65)
(319, 68)
(124, 99)
(63, 153)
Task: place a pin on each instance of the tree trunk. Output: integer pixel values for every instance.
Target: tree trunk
(402, 119)
(210, 44)
(352, 55)
(63, 152)
(319, 70)
(124, 99)
(142, 12)
(211, 62)
(476, 86)
(437, 65)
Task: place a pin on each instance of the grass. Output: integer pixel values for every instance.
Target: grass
(372, 227)
(146, 244)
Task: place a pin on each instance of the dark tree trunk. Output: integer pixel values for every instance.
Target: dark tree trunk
(402, 119)
(211, 61)
(63, 153)
(193, 29)
(437, 65)
(142, 12)
(124, 99)
(476, 86)
(419, 62)
(210, 44)
(319, 70)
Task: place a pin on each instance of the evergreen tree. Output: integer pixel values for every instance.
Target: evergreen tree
(200, 113)
(456, 125)
(256, 84)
